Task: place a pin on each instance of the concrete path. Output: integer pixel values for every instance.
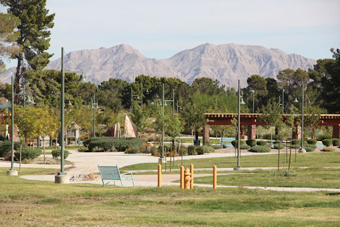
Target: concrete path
(85, 163)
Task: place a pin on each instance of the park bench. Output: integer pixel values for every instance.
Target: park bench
(112, 173)
(227, 142)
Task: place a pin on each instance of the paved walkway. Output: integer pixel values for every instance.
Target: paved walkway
(85, 163)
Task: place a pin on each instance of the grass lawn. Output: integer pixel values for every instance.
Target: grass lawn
(38, 203)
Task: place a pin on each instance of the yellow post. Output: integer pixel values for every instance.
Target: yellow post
(159, 175)
(187, 179)
(192, 176)
(182, 177)
(214, 177)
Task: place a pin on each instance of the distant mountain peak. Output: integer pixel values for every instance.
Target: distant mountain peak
(225, 62)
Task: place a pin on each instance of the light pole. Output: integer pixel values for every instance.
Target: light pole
(12, 171)
(61, 176)
(240, 101)
(252, 91)
(94, 106)
(302, 150)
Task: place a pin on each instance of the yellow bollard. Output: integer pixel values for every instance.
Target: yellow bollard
(182, 178)
(159, 175)
(187, 179)
(191, 176)
(214, 177)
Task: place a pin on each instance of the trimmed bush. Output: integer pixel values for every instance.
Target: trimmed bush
(260, 149)
(207, 149)
(56, 154)
(312, 141)
(28, 154)
(251, 143)
(261, 143)
(183, 151)
(279, 145)
(191, 150)
(6, 146)
(309, 149)
(327, 142)
(297, 146)
(132, 150)
(109, 143)
(217, 146)
(82, 149)
(336, 142)
(296, 141)
(199, 150)
(234, 142)
(328, 149)
(244, 147)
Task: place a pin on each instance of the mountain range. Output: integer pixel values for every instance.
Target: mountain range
(226, 63)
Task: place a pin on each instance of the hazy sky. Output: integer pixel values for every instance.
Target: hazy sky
(159, 29)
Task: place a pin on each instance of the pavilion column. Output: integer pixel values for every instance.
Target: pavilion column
(297, 133)
(251, 132)
(206, 129)
(336, 131)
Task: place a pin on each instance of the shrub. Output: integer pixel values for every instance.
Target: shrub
(154, 151)
(297, 146)
(327, 142)
(191, 150)
(108, 143)
(260, 149)
(245, 147)
(234, 142)
(207, 149)
(279, 145)
(28, 153)
(324, 136)
(82, 149)
(132, 150)
(217, 146)
(251, 142)
(296, 141)
(56, 154)
(312, 141)
(266, 136)
(328, 149)
(199, 150)
(261, 143)
(310, 148)
(183, 151)
(6, 146)
(336, 142)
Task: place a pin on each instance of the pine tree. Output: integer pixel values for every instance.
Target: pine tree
(34, 35)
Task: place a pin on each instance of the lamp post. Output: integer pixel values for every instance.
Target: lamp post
(94, 106)
(240, 101)
(302, 150)
(12, 171)
(61, 176)
(252, 91)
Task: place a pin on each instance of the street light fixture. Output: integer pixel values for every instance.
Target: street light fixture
(61, 176)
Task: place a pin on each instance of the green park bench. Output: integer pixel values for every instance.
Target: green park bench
(112, 173)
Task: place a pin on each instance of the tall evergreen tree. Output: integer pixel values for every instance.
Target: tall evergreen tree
(34, 35)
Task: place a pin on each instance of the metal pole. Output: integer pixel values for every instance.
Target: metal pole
(12, 127)
(173, 102)
(163, 123)
(238, 128)
(62, 104)
(302, 111)
(283, 100)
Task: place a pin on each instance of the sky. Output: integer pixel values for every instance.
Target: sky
(160, 29)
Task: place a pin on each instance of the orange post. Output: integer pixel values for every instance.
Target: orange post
(159, 175)
(214, 177)
(182, 178)
(192, 176)
(187, 179)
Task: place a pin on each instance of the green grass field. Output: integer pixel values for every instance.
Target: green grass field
(39, 203)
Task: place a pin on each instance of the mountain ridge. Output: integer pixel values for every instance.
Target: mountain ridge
(225, 62)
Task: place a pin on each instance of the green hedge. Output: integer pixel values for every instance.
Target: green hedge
(208, 149)
(217, 146)
(234, 143)
(260, 149)
(6, 146)
(279, 145)
(312, 141)
(336, 142)
(56, 154)
(244, 147)
(28, 153)
(183, 151)
(191, 150)
(296, 141)
(199, 150)
(327, 142)
(110, 143)
(261, 143)
(251, 142)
